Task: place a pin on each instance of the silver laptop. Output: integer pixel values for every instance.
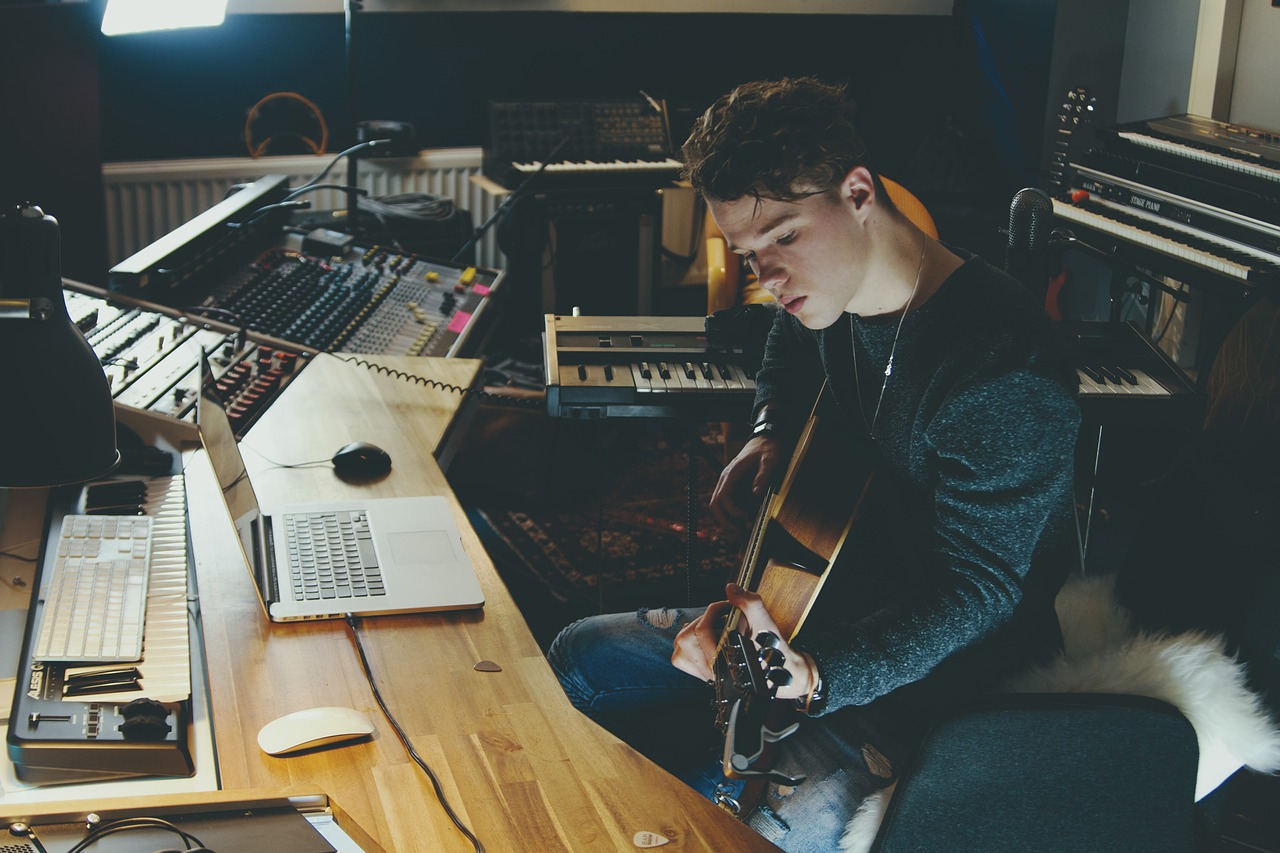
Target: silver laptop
(324, 560)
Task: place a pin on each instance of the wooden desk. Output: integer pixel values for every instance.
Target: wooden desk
(520, 766)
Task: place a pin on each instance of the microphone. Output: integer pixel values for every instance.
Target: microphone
(1030, 221)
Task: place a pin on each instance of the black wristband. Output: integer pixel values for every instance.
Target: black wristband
(764, 428)
(815, 703)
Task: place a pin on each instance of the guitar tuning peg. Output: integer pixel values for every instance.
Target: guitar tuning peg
(771, 658)
(769, 639)
(778, 677)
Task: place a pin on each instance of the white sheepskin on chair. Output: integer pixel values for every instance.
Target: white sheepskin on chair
(1102, 654)
(1191, 671)
(860, 832)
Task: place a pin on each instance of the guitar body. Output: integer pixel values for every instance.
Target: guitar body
(799, 533)
(806, 521)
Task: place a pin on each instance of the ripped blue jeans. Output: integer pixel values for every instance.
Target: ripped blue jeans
(616, 669)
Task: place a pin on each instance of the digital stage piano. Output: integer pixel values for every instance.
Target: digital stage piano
(1184, 196)
(634, 367)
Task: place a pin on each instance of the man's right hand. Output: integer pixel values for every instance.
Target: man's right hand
(744, 481)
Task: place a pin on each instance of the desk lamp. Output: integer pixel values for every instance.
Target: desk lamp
(58, 424)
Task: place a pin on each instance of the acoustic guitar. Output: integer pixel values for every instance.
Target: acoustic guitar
(800, 530)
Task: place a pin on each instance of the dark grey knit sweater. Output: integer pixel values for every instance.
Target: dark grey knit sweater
(948, 579)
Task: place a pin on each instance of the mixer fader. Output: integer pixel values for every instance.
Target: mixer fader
(377, 300)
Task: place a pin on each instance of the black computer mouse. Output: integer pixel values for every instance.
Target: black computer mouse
(361, 460)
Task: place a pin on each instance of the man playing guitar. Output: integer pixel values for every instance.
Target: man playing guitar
(939, 370)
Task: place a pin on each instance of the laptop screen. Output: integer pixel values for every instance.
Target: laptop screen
(219, 442)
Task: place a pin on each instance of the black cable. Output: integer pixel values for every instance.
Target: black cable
(131, 823)
(1168, 321)
(372, 143)
(404, 739)
(208, 310)
(260, 213)
(310, 188)
(289, 202)
(18, 581)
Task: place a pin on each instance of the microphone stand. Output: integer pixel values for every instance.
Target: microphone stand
(1063, 238)
(350, 7)
(506, 203)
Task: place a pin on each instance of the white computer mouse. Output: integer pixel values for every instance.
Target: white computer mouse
(313, 727)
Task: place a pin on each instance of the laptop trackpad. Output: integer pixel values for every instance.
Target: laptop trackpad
(424, 546)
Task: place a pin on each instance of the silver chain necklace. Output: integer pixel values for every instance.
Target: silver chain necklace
(893, 348)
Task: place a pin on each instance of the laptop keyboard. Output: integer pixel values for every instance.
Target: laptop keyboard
(95, 596)
(331, 556)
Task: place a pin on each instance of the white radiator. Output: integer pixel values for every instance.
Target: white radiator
(146, 200)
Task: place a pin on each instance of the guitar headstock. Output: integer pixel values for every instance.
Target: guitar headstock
(751, 721)
(746, 672)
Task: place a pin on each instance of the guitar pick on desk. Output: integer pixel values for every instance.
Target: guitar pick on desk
(487, 666)
(645, 839)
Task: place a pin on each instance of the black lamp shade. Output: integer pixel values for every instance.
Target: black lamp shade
(58, 422)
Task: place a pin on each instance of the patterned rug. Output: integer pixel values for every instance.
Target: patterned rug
(593, 517)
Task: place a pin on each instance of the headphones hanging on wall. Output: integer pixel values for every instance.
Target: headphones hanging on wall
(279, 115)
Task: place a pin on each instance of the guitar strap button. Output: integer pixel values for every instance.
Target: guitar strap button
(727, 801)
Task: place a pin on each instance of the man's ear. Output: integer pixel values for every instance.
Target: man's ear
(858, 187)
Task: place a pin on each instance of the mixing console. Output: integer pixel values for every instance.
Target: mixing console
(312, 288)
(378, 300)
(151, 357)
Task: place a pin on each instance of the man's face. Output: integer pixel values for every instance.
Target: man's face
(807, 254)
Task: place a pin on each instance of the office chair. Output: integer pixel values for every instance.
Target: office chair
(1049, 772)
(727, 285)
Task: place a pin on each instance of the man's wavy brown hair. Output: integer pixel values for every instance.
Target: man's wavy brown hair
(785, 140)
